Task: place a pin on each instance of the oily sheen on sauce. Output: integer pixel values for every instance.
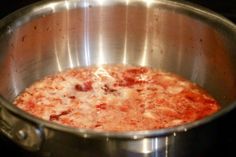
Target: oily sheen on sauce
(116, 98)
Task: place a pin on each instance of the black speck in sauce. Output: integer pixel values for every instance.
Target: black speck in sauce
(23, 38)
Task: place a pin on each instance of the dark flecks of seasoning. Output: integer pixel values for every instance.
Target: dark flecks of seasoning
(97, 125)
(57, 116)
(72, 97)
(108, 89)
(87, 86)
(139, 90)
(78, 87)
(152, 50)
(23, 38)
(101, 106)
(161, 51)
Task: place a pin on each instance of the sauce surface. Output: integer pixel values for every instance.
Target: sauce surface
(116, 98)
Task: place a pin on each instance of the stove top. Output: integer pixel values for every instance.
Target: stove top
(226, 8)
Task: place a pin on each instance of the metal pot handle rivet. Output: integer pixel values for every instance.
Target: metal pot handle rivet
(24, 133)
(21, 135)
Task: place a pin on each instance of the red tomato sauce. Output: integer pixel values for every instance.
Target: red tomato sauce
(117, 98)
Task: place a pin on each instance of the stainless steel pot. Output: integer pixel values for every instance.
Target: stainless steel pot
(51, 36)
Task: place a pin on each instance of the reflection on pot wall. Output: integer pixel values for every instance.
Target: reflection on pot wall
(136, 35)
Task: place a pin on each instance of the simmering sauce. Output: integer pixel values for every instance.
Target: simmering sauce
(116, 98)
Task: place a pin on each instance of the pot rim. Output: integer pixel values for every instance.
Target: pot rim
(89, 133)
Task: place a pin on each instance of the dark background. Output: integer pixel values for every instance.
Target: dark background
(226, 8)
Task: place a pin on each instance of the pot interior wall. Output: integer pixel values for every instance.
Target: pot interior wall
(55, 37)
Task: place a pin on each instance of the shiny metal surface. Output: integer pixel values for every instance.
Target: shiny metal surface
(28, 135)
(51, 36)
